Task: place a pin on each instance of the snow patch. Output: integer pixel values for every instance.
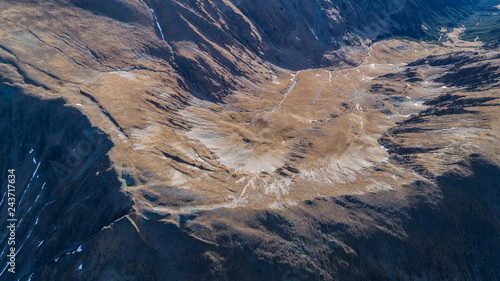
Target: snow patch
(92, 54)
(159, 27)
(78, 250)
(48, 204)
(4, 269)
(123, 132)
(3, 198)
(34, 173)
(313, 33)
(26, 189)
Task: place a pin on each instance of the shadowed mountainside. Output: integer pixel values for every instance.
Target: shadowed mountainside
(237, 140)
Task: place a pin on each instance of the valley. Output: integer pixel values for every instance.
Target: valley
(212, 140)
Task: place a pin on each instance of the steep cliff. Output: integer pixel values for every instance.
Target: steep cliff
(237, 140)
(211, 41)
(66, 188)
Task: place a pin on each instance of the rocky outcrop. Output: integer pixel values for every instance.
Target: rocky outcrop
(66, 188)
(294, 35)
(213, 42)
(182, 146)
(440, 231)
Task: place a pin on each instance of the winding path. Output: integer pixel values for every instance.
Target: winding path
(293, 79)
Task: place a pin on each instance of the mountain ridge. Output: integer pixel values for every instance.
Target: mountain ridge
(214, 161)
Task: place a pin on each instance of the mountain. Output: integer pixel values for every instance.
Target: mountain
(237, 140)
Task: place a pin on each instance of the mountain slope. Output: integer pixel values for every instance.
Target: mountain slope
(236, 140)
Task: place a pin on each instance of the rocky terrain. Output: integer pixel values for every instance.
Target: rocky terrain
(238, 140)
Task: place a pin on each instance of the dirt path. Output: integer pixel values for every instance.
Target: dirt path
(293, 79)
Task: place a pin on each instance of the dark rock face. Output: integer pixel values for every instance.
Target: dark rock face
(463, 226)
(159, 251)
(472, 77)
(456, 59)
(441, 231)
(66, 189)
(76, 222)
(294, 35)
(437, 233)
(469, 70)
(297, 34)
(443, 235)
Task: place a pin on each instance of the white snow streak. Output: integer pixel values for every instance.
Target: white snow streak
(159, 28)
(92, 54)
(292, 79)
(3, 198)
(34, 173)
(158, 24)
(313, 33)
